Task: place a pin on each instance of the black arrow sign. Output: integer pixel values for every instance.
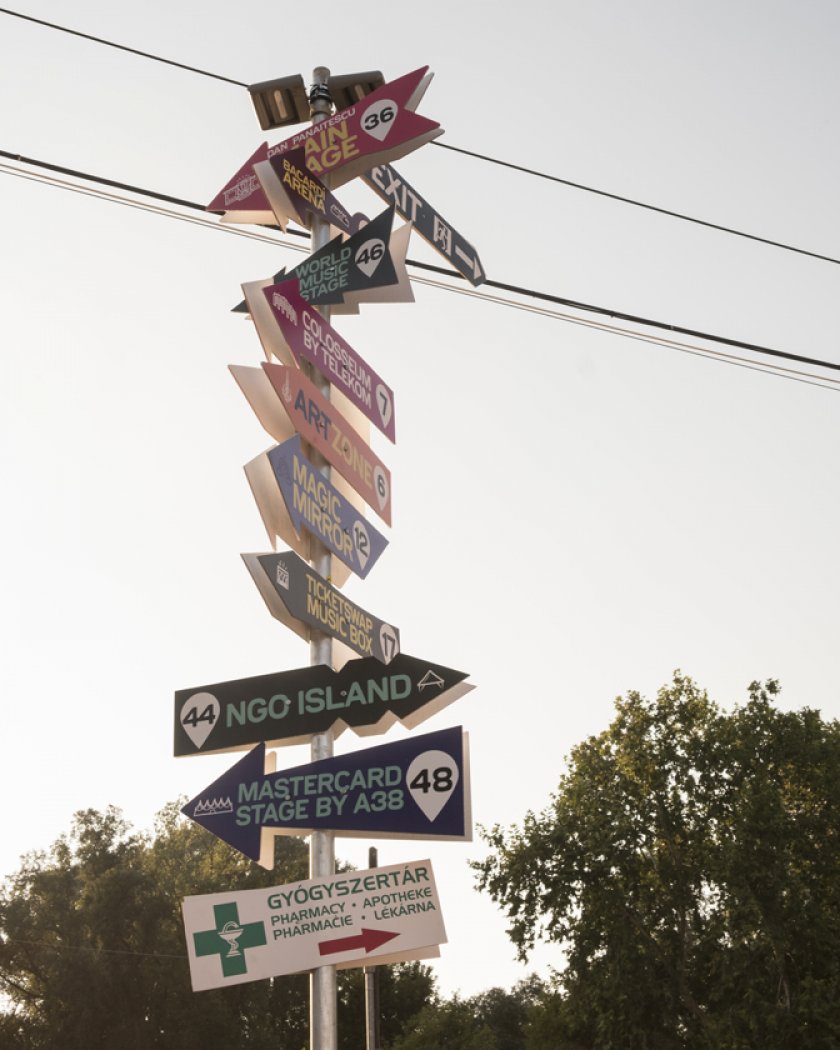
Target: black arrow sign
(360, 263)
(392, 187)
(290, 706)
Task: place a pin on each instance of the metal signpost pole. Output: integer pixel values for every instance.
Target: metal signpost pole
(323, 996)
(433, 769)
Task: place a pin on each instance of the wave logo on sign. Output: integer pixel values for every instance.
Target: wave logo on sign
(213, 807)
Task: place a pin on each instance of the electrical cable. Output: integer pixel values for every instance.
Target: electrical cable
(458, 149)
(141, 206)
(501, 286)
(826, 382)
(120, 47)
(640, 204)
(810, 379)
(95, 950)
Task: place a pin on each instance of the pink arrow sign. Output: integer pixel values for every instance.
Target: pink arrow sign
(319, 422)
(381, 128)
(244, 193)
(311, 338)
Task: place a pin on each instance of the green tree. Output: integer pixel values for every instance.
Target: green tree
(404, 990)
(451, 1024)
(492, 1020)
(92, 949)
(689, 866)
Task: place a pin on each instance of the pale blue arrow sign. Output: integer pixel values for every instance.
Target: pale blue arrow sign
(314, 503)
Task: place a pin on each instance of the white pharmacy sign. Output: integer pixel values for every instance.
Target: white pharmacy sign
(359, 918)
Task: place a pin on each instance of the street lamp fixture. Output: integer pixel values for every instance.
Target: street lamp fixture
(280, 102)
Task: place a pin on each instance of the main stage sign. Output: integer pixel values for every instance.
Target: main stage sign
(360, 918)
(290, 706)
(382, 127)
(412, 788)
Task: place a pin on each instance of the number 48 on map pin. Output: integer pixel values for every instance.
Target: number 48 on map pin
(431, 778)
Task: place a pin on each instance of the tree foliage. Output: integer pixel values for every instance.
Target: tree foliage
(688, 865)
(492, 1020)
(92, 948)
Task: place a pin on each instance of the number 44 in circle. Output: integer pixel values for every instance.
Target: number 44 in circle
(431, 779)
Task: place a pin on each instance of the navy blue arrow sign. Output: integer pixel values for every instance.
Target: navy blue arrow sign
(314, 502)
(413, 788)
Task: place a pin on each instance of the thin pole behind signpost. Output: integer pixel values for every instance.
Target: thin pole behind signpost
(323, 1028)
(372, 1032)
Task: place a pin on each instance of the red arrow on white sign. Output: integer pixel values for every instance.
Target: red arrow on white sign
(366, 941)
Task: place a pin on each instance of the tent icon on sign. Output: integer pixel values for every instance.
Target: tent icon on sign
(430, 679)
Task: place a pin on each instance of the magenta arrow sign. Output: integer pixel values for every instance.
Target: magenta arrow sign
(311, 338)
(382, 124)
(244, 193)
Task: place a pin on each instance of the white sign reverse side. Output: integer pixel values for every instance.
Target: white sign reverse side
(357, 918)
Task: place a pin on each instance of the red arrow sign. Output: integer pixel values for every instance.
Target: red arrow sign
(367, 940)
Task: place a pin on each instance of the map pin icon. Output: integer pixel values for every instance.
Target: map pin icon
(431, 778)
(199, 713)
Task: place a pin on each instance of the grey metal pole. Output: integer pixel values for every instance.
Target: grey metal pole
(372, 1033)
(323, 995)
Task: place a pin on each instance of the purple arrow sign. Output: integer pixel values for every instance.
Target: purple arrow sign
(412, 788)
(311, 338)
(295, 193)
(316, 504)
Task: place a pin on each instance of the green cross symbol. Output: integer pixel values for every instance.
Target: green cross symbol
(229, 938)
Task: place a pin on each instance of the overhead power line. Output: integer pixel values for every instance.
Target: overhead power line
(641, 204)
(120, 47)
(205, 220)
(455, 149)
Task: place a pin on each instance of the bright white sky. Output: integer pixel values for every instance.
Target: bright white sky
(576, 514)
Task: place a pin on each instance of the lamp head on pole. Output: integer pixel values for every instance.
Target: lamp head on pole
(285, 101)
(280, 102)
